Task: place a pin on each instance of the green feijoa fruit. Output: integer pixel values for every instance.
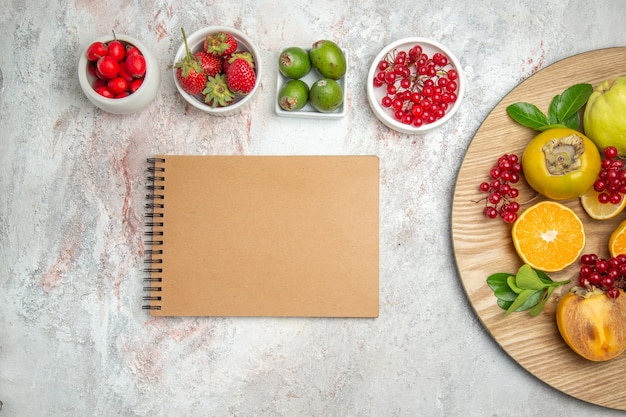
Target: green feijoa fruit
(326, 95)
(294, 62)
(328, 59)
(293, 95)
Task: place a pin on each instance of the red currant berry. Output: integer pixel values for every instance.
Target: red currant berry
(613, 292)
(610, 152)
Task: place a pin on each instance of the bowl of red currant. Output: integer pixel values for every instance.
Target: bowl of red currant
(415, 85)
(119, 74)
(217, 69)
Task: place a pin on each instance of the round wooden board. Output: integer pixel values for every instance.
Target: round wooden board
(483, 246)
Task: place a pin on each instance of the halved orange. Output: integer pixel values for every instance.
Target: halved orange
(548, 236)
(617, 241)
(600, 211)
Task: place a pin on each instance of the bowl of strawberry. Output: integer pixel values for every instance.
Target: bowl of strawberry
(415, 85)
(217, 70)
(119, 74)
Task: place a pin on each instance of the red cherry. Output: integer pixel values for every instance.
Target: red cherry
(135, 65)
(117, 85)
(105, 92)
(99, 74)
(108, 67)
(91, 68)
(96, 50)
(116, 50)
(135, 84)
(132, 49)
(99, 83)
(122, 94)
(125, 75)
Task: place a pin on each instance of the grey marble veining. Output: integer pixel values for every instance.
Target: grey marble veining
(74, 340)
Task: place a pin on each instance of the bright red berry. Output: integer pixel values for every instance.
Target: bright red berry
(220, 44)
(96, 50)
(135, 84)
(189, 72)
(240, 77)
(117, 85)
(116, 50)
(107, 67)
(211, 64)
(135, 65)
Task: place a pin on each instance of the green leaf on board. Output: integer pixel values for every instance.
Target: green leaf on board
(528, 279)
(539, 306)
(505, 294)
(572, 100)
(497, 280)
(562, 112)
(521, 299)
(513, 284)
(573, 122)
(552, 110)
(527, 115)
(529, 289)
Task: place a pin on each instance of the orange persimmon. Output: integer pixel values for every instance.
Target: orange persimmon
(592, 324)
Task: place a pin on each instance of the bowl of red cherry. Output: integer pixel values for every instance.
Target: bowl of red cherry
(415, 85)
(119, 74)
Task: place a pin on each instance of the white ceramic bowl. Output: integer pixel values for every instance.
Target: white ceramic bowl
(195, 42)
(136, 101)
(375, 94)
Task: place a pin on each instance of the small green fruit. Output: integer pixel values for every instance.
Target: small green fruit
(326, 95)
(328, 59)
(294, 62)
(293, 95)
(603, 120)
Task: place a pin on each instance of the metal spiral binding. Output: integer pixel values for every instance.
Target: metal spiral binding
(154, 233)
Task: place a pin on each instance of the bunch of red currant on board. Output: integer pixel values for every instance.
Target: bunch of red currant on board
(611, 182)
(119, 68)
(420, 89)
(609, 275)
(500, 201)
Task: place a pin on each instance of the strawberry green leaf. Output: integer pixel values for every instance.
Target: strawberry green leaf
(527, 115)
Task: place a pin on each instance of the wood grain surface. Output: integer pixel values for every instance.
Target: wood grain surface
(483, 246)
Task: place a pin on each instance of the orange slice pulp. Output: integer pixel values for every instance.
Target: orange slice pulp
(548, 236)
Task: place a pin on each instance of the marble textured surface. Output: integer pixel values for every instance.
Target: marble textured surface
(74, 340)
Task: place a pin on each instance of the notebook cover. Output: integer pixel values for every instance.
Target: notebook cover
(266, 236)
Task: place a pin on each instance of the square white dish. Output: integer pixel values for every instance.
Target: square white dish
(308, 112)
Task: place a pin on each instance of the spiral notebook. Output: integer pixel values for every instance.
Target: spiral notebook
(262, 236)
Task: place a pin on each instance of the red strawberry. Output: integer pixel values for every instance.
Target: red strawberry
(216, 93)
(240, 77)
(211, 64)
(189, 72)
(238, 54)
(220, 44)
